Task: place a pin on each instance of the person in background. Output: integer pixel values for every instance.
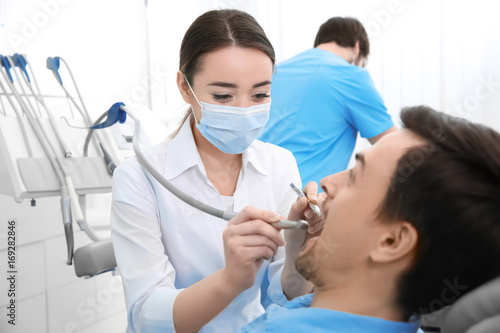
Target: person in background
(323, 97)
(182, 269)
(414, 226)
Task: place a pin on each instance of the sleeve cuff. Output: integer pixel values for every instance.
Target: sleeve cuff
(376, 130)
(275, 290)
(157, 312)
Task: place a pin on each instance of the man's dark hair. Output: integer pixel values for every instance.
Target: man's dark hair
(449, 190)
(345, 31)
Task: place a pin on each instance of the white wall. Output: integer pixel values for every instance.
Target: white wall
(438, 53)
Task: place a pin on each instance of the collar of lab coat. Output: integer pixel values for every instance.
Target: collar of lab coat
(183, 154)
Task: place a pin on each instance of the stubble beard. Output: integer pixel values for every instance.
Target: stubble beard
(305, 264)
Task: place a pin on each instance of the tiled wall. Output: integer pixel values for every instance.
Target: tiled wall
(49, 296)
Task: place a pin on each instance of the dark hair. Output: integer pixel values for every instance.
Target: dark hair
(345, 31)
(449, 190)
(217, 29)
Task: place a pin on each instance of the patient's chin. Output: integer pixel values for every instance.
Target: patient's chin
(306, 264)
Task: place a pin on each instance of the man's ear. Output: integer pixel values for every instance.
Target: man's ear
(183, 87)
(356, 48)
(398, 240)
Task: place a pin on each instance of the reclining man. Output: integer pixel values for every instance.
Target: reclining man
(412, 227)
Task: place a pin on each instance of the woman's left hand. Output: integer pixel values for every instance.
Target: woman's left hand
(296, 239)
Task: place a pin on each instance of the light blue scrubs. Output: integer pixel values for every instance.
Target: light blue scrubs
(297, 316)
(319, 103)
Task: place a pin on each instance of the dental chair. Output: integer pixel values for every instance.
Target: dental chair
(94, 259)
(476, 312)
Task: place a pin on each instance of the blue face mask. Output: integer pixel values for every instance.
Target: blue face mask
(229, 128)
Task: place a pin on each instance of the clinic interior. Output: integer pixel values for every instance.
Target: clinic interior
(440, 53)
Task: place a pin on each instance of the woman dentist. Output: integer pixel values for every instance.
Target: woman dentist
(184, 270)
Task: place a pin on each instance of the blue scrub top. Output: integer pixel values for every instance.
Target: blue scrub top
(319, 103)
(298, 316)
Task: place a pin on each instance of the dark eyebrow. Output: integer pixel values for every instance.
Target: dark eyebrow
(360, 157)
(263, 83)
(223, 84)
(232, 85)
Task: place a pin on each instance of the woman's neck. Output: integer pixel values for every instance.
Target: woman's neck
(222, 169)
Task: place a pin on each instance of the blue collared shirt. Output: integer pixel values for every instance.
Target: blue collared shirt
(320, 103)
(298, 316)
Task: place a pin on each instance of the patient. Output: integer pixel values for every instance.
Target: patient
(411, 228)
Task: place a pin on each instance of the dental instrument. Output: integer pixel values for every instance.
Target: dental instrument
(21, 61)
(3, 107)
(299, 192)
(66, 186)
(286, 224)
(4, 110)
(110, 164)
(53, 65)
(5, 64)
(69, 199)
(21, 64)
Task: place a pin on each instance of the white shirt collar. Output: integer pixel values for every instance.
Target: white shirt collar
(251, 157)
(183, 154)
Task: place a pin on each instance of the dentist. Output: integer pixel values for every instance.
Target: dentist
(184, 270)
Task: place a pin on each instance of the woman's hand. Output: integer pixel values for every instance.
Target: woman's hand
(296, 239)
(249, 239)
(293, 283)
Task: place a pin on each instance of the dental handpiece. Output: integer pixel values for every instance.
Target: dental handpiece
(281, 224)
(286, 224)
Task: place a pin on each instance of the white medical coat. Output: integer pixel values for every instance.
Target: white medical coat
(163, 245)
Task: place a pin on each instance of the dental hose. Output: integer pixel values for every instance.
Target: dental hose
(118, 112)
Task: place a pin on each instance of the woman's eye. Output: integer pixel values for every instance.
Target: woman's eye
(222, 98)
(262, 96)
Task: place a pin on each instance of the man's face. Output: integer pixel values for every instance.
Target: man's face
(350, 205)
